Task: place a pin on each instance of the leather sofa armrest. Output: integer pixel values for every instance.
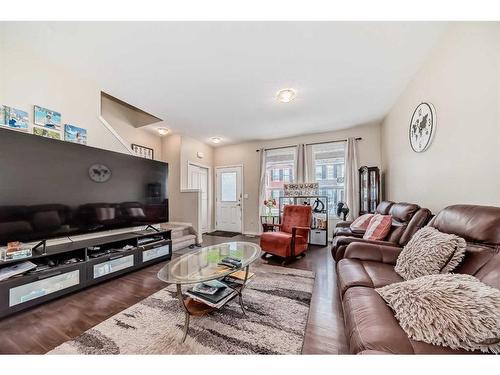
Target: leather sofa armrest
(343, 224)
(376, 253)
(345, 240)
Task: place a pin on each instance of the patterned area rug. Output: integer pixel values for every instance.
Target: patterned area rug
(277, 303)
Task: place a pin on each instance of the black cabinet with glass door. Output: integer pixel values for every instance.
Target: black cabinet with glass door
(369, 189)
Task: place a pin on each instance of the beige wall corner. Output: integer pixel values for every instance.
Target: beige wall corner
(461, 79)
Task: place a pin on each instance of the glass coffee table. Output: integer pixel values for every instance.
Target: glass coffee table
(202, 265)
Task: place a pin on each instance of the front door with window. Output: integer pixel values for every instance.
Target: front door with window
(228, 200)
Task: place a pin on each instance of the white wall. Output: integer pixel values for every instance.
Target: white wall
(245, 154)
(26, 79)
(462, 79)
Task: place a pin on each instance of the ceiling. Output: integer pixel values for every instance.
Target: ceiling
(210, 79)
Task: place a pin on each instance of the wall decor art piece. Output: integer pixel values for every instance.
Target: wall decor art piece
(47, 118)
(142, 151)
(422, 127)
(75, 134)
(3, 115)
(47, 133)
(16, 119)
(301, 189)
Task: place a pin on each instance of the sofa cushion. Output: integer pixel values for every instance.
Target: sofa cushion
(451, 310)
(279, 243)
(354, 272)
(370, 325)
(378, 228)
(430, 252)
(361, 223)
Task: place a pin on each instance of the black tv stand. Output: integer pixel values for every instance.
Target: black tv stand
(149, 226)
(39, 248)
(69, 267)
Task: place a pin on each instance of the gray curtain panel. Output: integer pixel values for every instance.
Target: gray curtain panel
(351, 183)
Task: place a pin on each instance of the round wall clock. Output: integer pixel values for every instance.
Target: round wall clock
(99, 173)
(422, 127)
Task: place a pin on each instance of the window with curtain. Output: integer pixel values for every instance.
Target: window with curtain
(280, 169)
(327, 161)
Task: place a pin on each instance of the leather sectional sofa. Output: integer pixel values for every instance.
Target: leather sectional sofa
(407, 218)
(370, 324)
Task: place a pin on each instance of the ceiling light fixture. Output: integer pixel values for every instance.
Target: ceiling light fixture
(286, 95)
(215, 139)
(163, 131)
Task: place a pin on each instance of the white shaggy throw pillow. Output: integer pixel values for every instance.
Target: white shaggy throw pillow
(453, 310)
(430, 252)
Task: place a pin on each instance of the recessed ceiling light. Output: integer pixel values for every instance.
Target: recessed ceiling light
(215, 139)
(286, 95)
(163, 131)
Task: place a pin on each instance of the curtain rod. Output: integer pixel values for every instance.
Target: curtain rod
(310, 144)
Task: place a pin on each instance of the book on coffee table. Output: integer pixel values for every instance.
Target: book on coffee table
(216, 300)
(238, 277)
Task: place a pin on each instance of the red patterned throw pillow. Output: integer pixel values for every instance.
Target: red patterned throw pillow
(361, 223)
(379, 227)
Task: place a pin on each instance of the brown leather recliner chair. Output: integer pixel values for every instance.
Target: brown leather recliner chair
(370, 324)
(407, 218)
(343, 228)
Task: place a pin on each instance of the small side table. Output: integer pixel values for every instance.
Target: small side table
(268, 223)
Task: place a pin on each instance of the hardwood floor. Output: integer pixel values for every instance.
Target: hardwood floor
(42, 328)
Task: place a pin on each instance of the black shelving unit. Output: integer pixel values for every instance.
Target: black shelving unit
(93, 261)
(318, 235)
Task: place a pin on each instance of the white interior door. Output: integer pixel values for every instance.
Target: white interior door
(198, 179)
(228, 200)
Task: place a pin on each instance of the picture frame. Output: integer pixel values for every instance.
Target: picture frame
(75, 134)
(46, 118)
(15, 119)
(47, 133)
(301, 189)
(3, 115)
(143, 151)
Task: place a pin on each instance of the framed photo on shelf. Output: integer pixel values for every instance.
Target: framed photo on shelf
(15, 119)
(47, 118)
(75, 134)
(143, 151)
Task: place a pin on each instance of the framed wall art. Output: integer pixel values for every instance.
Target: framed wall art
(47, 133)
(301, 189)
(143, 151)
(422, 127)
(47, 118)
(75, 134)
(16, 119)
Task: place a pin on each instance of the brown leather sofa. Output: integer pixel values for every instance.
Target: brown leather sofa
(370, 324)
(407, 218)
(343, 228)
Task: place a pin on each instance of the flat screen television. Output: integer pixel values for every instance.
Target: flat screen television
(51, 188)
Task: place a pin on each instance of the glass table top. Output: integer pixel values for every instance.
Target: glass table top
(201, 265)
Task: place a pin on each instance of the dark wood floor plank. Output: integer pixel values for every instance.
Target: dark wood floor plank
(40, 329)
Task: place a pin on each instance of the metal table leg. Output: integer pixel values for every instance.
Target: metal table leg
(186, 312)
(240, 293)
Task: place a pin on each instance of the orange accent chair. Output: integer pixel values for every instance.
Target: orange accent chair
(292, 238)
